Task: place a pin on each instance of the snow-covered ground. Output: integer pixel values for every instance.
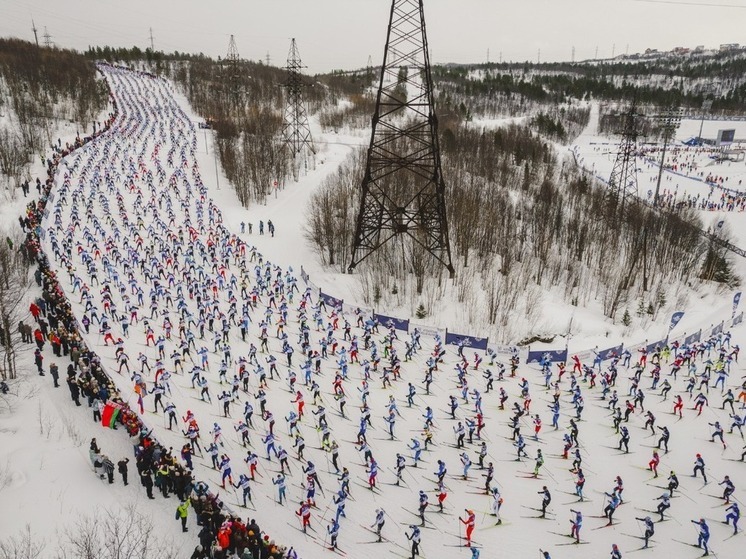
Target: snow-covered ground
(520, 533)
(597, 154)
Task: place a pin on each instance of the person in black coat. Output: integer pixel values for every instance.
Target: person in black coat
(54, 370)
(147, 480)
(122, 467)
(74, 390)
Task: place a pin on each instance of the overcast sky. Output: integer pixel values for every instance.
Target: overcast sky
(341, 34)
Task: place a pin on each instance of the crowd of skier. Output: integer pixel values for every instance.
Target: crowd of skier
(142, 266)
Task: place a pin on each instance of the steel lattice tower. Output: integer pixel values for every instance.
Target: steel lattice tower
(296, 131)
(232, 71)
(623, 179)
(403, 192)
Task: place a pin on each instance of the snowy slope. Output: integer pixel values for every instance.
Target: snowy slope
(519, 534)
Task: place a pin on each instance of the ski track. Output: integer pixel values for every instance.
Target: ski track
(149, 117)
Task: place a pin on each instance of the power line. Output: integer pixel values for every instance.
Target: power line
(47, 38)
(702, 4)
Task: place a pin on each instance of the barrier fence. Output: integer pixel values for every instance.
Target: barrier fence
(526, 354)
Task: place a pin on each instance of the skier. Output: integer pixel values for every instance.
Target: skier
(539, 462)
(414, 537)
(469, 522)
(546, 499)
(333, 528)
(665, 503)
(497, 502)
(649, 529)
(673, 482)
(611, 507)
(624, 439)
(466, 462)
(279, 481)
(653, 464)
(422, 506)
(441, 472)
(379, 522)
(304, 513)
(733, 514)
(577, 524)
(663, 441)
(729, 489)
(699, 466)
(717, 432)
(244, 483)
(704, 534)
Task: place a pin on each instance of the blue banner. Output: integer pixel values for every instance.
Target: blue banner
(717, 329)
(736, 300)
(675, 318)
(691, 338)
(468, 341)
(651, 347)
(611, 352)
(331, 302)
(738, 319)
(553, 355)
(388, 321)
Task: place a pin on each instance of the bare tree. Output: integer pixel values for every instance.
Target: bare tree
(14, 284)
(24, 545)
(108, 534)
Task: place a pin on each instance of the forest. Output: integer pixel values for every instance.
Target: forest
(38, 88)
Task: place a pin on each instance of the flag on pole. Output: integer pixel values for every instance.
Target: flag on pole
(675, 318)
(736, 300)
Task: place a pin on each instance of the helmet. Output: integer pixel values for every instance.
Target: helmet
(699, 456)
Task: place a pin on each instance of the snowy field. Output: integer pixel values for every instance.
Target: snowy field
(520, 533)
(597, 154)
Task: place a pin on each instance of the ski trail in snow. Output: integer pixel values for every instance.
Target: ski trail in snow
(131, 209)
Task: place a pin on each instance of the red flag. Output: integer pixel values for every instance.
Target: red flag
(110, 414)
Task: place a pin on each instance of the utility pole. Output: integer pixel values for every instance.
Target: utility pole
(488, 56)
(573, 54)
(670, 121)
(267, 58)
(596, 57)
(403, 190)
(706, 106)
(296, 131)
(47, 38)
(152, 41)
(33, 28)
(232, 69)
(623, 179)
(538, 57)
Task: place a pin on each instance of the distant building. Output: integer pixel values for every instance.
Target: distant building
(729, 46)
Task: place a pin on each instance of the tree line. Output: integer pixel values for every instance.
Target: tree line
(522, 221)
(38, 87)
